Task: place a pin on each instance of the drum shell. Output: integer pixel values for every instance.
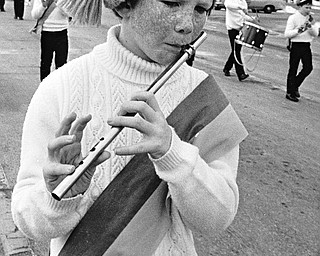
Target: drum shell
(252, 36)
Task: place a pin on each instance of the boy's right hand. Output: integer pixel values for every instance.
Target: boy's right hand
(64, 154)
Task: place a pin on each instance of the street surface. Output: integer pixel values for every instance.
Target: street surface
(279, 164)
(270, 66)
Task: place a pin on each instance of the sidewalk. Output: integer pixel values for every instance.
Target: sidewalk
(12, 241)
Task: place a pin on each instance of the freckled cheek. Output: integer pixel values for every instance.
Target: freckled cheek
(199, 24)
(153, 28)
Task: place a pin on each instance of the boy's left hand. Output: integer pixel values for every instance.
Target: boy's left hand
(149, 120)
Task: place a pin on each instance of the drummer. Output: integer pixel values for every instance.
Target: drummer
(236, 15)
(77, 104)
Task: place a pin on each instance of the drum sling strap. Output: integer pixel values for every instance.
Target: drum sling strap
(130, 216)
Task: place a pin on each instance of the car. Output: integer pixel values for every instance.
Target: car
(267, 6)
(219, 4)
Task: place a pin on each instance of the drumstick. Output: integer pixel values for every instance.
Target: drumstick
(96, 151)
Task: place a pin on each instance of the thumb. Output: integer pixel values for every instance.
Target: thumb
(105, 155)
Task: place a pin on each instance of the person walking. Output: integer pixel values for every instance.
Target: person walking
(236, 15)
(18, 6)
(54, 35)
(77, 104)
(300, 30)
(2, 3)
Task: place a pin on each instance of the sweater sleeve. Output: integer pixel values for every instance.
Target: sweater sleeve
(314, 31)
(34, 210)
(206, 194)
(235, 5)
(37, 9)
(293, 24)
(291, 30)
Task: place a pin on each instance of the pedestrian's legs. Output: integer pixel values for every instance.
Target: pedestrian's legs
(20, 8)
(238, 61)
(229, 64)
(46, 54)
(306, 59)
(16, 7)
(294, 60)
(61, 48)
(2, 2)
(235, 55)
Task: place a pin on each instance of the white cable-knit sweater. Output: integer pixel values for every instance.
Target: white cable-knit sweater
(203, 196)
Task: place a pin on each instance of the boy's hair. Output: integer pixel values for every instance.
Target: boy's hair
(303, 2)
(134, 2)
(89, 12)
(124, 5)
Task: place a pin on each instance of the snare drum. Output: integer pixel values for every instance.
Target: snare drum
(252, 36)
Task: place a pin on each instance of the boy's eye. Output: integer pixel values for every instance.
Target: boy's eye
(201, 9)
(171, 4)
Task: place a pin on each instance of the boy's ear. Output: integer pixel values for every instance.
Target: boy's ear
(124, 9)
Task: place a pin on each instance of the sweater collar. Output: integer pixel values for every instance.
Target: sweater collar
(122, 63)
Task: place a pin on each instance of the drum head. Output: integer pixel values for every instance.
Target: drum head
(256, 26)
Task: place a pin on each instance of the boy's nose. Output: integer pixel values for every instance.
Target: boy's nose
(184, 25)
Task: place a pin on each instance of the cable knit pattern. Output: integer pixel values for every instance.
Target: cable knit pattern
(98, 83)
(125, 67)
(119, 93)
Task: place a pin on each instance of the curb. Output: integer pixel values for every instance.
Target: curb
(14, 243)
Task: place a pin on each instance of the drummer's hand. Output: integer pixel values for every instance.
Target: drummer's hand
(150, 121)
(64, 153)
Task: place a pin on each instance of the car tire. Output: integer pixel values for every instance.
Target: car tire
(268, 9)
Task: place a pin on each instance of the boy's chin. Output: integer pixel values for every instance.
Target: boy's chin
(166, 59)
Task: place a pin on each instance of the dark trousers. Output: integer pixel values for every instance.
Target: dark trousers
(18, 6)
(235, 51)
(53, 42)
(2, 5)
(299, 52)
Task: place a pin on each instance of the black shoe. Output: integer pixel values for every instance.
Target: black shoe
(226, 72)
(20, 18)
(243, 76)
(292, 97)
(297, 94)
(15, 17)
(2, 10)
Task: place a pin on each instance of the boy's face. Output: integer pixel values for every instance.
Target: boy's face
(305, 9)
(155, 30)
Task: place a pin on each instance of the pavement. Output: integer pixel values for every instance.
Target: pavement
(19, 58)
